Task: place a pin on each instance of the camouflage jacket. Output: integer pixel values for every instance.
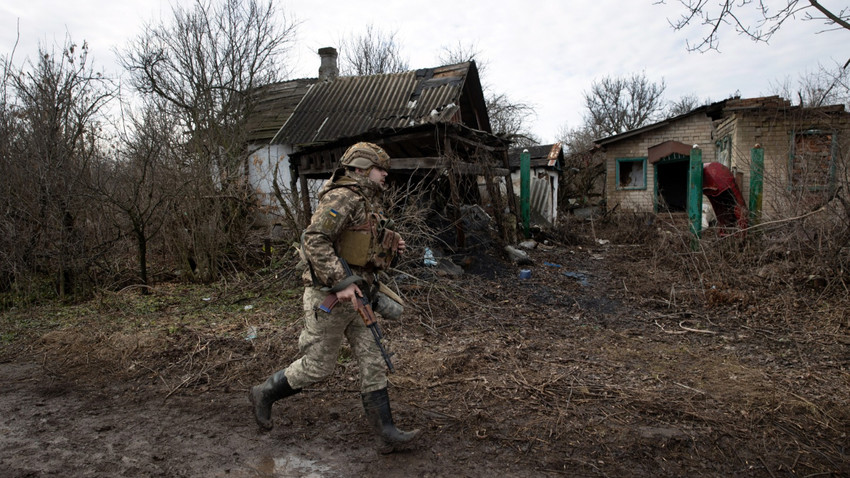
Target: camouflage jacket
(343, 203)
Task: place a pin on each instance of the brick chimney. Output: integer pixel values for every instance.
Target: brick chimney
(328, 70)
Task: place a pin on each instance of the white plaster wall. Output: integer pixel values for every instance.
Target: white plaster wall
(261, 169)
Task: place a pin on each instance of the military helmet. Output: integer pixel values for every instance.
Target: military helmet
(365, 155)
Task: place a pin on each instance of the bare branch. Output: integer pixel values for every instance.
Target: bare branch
(754, 19)
(615, 105)
(371, 53)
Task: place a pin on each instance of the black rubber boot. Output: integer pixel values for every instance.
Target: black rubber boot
(264, 395)
(390, 438)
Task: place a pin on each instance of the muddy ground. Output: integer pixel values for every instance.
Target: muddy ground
(611, 360)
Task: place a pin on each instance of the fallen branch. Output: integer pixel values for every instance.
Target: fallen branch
(699, 331)
(667, 331)
(690, 388)
(460, 380)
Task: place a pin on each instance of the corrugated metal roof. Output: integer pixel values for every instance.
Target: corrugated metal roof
(348, 106)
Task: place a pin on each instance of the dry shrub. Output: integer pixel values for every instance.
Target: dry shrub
(572, 231)
(803, 259)
(413, 208)
(628, 228)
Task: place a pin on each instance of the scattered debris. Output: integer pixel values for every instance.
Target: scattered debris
(581, 278)
(251, 334)
(529, 244)
(517, 256)
(429, 259)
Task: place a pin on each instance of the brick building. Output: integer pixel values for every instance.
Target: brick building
(804, 152)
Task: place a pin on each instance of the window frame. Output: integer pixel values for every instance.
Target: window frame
(619, 162)
(792, 157)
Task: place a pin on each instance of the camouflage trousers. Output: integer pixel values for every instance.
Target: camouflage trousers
(321, 339)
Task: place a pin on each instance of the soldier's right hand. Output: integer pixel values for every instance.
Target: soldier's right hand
(350, 293)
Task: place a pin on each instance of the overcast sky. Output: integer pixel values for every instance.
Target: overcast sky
(543, 53)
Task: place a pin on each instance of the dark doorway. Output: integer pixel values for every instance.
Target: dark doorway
(671, 182)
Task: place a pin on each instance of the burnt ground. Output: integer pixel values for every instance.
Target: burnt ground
(611, 360)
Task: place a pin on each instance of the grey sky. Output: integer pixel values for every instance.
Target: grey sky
(544, 53)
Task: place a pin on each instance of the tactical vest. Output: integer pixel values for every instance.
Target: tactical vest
(371, 244)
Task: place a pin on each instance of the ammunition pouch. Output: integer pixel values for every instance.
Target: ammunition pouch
(369, 245)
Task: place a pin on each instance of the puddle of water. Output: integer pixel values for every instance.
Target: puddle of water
(290, 466)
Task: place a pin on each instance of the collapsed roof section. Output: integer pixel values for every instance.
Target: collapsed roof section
(541, 156)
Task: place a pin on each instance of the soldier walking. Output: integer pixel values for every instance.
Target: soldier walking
(348, 224)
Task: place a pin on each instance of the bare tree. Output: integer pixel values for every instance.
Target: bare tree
(758, 20)
(10, 134)
(141, 184)
(371, 53)
(51, 113)
(202, 69)
(508, 118)
(462, 52)
(685, 104)
(615, 105)
(826, 86)
(582, 180)
(576, 140)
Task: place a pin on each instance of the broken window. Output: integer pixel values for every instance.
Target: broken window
(723, 151)
(811, 162)
(631, 173)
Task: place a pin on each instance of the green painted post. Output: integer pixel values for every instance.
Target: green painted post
(756, 182)
(525, 191)
(695, 195)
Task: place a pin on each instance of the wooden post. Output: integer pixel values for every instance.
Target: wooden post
(305, 199)
(756, 182)
(513, 216)
(695, 195)
(525, 191)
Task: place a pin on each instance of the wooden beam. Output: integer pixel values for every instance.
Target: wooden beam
(411, 164)
(477, 144)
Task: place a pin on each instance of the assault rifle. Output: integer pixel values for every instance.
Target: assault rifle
(364, 308)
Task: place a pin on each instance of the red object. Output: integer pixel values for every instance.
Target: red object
(718, 184)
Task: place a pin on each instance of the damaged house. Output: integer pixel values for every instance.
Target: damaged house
(433, 122)
(758, 153)
(546, 163)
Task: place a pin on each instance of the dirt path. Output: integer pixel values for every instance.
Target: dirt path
(56, 427)
(604, 363)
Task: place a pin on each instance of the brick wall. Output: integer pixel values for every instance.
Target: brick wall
(691, 130)
(773, 129)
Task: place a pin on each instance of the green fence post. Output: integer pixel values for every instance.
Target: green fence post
(695, 195)
(525, 191)
(756, 182)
